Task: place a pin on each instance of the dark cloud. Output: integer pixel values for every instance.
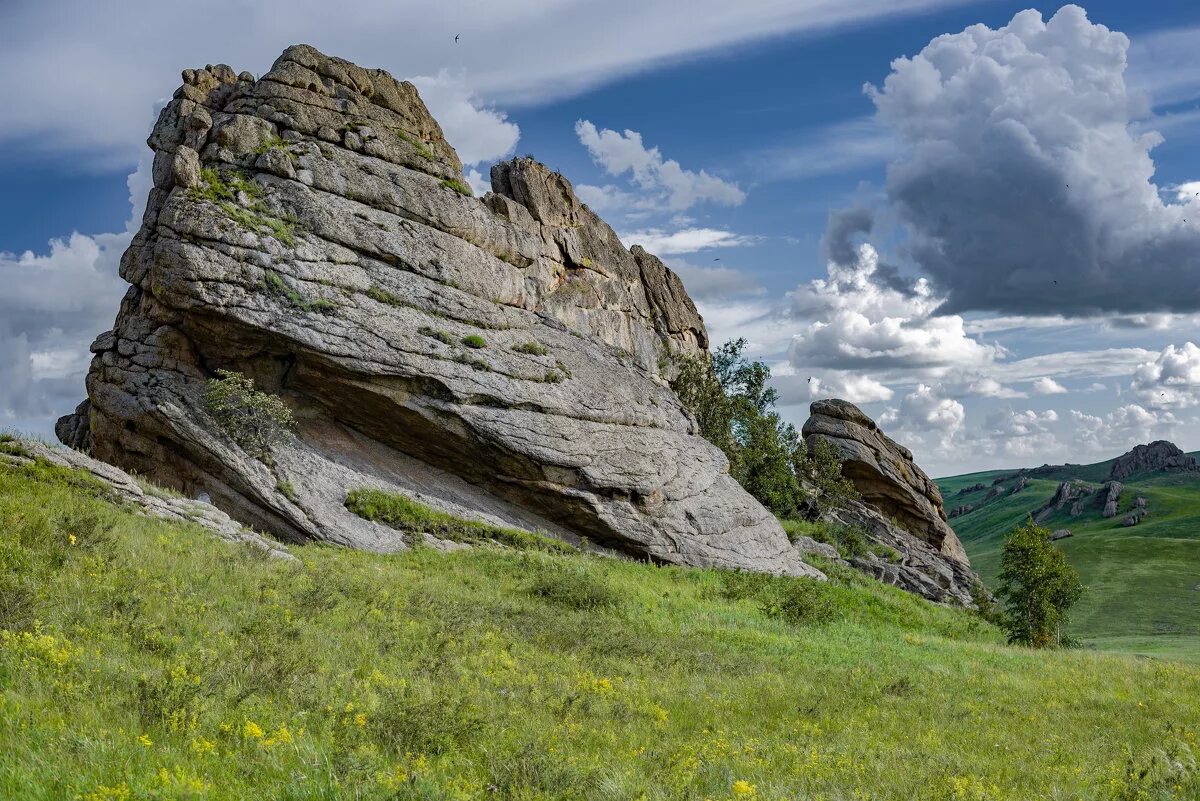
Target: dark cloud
(1023, 187)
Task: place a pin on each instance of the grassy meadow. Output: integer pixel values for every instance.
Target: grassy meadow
(1143, 582)
(141, 659)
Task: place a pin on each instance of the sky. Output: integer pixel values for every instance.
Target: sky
(978, 220)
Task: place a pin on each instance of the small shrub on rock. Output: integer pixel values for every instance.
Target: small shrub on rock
(474, 341)
(256, 421)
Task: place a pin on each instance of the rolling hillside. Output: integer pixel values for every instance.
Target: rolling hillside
(144, 659)
(1143, 581)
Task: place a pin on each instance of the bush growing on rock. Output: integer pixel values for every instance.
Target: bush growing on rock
(255, 420)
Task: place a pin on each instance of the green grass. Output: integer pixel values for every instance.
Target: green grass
(531, 348)
(474, 341)
(1142, 583)
(228, 193)
(458, 186)
(165, 663)
(405, 514)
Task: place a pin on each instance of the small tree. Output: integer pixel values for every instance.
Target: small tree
(255, 420)
(735, 409)
(1038, 587)
(820, 465)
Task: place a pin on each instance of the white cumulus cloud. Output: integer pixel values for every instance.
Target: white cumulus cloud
(688, 240)
(1048, 386)
(1023, 185)
(1171, 379)
(620, 153)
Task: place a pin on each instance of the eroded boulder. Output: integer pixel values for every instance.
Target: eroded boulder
(884, 473)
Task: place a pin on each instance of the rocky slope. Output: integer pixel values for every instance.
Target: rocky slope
(145, 499)
(502, 358)
(901, 507)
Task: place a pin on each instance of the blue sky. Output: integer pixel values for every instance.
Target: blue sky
(904, 249)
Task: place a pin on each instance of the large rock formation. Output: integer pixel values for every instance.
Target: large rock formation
(1109, 497)
(502, 358)
(1155, 457)
(884, 474)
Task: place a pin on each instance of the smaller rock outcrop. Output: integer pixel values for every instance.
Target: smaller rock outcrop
(1020, 485)
(1134, 517)
(1060, 534)
(969, 490)
(994, 492)
(959, 511)
(1070, 495)
(1156, 457)
(884, 473)
(1108, 497)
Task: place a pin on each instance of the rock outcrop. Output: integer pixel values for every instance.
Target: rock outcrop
(1109, 496)
(503, 358)
(143, 498)
(884, 473)
(900, 510)
(1069, 495)
(1060, 534)
(1156, 457)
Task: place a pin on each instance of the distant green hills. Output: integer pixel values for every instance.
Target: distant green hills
(1143, 581)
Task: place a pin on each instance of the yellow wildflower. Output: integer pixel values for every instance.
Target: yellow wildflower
(743, 789)
(144, 740)
(71, 537)
(252, 729)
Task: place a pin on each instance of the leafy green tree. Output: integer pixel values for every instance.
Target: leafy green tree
(1037, 586)
(735, 408)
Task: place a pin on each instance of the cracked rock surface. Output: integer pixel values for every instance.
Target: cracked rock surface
(502, 358)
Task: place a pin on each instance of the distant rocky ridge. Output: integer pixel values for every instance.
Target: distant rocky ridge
(1156, 457)
(504, 358)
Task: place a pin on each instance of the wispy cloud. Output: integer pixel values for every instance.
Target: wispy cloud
(688, 240)
(840, 147)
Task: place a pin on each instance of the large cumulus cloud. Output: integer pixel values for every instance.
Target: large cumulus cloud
(1023, 185)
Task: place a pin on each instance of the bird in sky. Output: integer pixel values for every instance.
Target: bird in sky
(718, 258)
(456, 37)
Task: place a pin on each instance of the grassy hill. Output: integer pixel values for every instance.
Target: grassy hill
(1143, 582)
(144, 659)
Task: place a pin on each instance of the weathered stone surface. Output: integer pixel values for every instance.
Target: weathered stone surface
(1155, 457)
(1060, 534)
(1109, 496)
(916, 566)
(142, 498)
(1068, 495)
(345, 274)
(884, 474)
